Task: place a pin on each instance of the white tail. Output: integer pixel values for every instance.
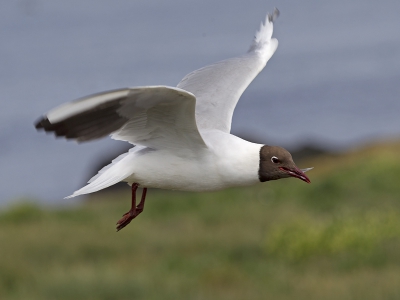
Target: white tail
(119, 169)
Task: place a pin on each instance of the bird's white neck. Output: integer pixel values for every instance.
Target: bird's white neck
(236, 160)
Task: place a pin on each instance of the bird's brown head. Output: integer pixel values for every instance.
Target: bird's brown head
(276, 163)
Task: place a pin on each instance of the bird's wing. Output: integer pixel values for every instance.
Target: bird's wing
(158, 117)
(218, 87)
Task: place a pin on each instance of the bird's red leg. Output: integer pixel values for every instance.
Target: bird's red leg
(140, 207)
(135, 210)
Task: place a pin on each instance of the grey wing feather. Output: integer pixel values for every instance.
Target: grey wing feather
(154, 116)
(76, 120)
(218, 87)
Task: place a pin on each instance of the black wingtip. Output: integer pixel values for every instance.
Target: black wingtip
(274, 15)
(42, 123)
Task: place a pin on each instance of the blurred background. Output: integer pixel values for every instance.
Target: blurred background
(333, 82)
(331, 88)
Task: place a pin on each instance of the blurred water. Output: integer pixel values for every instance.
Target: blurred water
(334, 79)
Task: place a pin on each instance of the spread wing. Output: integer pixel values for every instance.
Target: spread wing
(219, 86)
(158, 117)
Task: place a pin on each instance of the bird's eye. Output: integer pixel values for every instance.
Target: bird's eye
(275, 160)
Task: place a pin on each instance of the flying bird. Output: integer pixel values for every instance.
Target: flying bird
(181, 134)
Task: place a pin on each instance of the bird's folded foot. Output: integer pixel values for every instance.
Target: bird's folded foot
(135, 210)
(126, 219)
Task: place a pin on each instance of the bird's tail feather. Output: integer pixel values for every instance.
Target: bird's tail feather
(119, 169)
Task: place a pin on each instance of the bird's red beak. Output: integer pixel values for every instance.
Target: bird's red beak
(295, 172)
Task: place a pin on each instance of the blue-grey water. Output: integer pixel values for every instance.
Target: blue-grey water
(334, 80)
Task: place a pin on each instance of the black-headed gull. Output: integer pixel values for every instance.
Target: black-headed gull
(182, 134)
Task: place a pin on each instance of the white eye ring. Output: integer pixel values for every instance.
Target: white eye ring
(275, 160)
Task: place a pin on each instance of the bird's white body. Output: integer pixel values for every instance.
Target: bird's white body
(230, 161)
(182, 135)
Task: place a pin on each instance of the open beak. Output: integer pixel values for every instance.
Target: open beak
(295, 172)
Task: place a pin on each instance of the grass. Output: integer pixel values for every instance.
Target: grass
(338, 238)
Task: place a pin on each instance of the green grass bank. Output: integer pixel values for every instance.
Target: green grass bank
(338, 238)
